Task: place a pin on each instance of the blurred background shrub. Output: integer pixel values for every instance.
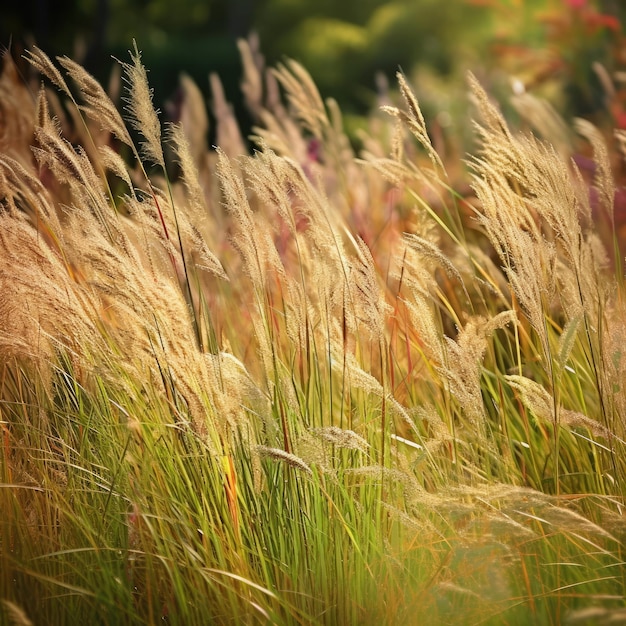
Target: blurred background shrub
(556, 47)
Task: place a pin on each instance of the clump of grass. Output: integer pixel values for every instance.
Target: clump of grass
(300, 386)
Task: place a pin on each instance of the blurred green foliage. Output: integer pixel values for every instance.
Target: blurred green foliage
(344, 45)
(547, 43)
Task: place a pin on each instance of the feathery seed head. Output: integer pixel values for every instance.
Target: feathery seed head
(141, 114)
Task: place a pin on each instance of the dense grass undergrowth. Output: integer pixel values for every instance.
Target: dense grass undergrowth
(305, 386)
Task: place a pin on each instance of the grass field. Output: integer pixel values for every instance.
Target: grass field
(305, 386)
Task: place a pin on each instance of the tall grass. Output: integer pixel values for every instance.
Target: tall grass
(302, 387)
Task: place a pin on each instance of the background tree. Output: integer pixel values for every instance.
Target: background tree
(343, 44)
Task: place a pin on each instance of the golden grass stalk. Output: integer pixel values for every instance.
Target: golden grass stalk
(141, 114)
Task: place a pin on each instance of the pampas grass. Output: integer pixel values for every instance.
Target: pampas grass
(302, 387)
